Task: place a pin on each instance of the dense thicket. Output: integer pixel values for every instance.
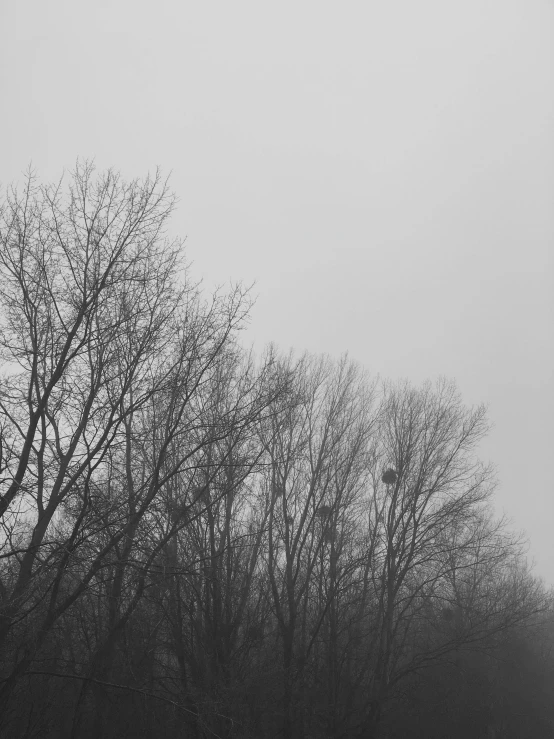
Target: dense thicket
(195, 542)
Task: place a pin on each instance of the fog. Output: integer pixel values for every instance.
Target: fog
(382, 173)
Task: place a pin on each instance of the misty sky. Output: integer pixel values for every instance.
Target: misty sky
(383, 170)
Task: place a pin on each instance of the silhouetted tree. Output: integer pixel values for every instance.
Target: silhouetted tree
(195, 541)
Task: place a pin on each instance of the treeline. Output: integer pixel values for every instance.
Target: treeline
(197, 542)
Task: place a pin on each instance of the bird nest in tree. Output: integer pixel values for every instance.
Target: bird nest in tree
(255, 633)
(323, 510)
(178, 511)
(200, 494)
(389, 477)
(328, 536)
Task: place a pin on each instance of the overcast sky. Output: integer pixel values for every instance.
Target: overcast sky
(384, 171)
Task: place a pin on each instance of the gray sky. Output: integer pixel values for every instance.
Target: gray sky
(384, 171)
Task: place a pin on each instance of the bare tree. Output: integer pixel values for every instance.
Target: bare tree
(431, 532)
(111, 352)
(315, 446)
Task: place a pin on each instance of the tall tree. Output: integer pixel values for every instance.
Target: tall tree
(110, 351)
